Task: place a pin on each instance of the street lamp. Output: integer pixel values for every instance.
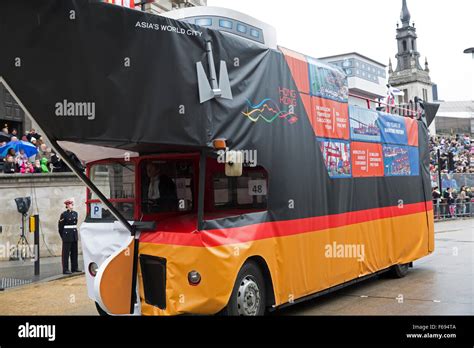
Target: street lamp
(470, 50)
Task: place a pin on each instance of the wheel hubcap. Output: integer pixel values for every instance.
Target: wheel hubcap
(248, 297)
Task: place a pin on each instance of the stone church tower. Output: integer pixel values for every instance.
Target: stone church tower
(409, 76)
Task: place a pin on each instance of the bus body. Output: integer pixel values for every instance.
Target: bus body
(328, 193)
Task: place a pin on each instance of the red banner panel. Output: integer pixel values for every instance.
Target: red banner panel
(330, 118)
(412, 131)
(299, 69)
(367, 159)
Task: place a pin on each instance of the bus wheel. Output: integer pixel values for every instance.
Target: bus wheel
(248, 295)
(102, 313)
(399, 271)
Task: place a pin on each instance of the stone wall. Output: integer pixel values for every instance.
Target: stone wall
(47, 192)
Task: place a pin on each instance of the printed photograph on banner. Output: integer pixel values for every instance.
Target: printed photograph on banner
(363, 124)
(400, 160)
(330, 119)
(367, 159)
(336, 154)
(327, 81)
(392, 129)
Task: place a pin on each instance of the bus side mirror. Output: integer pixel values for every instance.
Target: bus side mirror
(233, 163)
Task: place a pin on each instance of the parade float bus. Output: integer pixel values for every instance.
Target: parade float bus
(223, 176)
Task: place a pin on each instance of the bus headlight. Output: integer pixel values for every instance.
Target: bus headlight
(93, 269)
(194, 278)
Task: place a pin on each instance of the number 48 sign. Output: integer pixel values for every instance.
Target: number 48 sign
(257, 188)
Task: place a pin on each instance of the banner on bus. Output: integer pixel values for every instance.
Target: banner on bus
(363, 124)
(336, 154)
(328, 81)
(330, 119)
(400, 160)
(392, 129)
(367, 159)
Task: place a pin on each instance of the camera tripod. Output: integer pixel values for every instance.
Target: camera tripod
(22, 246)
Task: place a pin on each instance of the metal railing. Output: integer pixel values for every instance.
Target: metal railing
(457, 210)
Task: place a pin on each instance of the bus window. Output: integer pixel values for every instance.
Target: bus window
(241, 28)
(204, 22)
(248, 191)
(166, 186)
(224, 23)
(117, 182)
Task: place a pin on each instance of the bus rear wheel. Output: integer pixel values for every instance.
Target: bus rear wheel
(399, 271)
(248, 295)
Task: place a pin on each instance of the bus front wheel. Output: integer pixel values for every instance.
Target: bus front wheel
(399, 271)
(248, 294)
(101, 312)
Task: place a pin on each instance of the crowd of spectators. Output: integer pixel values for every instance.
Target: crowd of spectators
(456, 154)
(456, 157)
(44, 160)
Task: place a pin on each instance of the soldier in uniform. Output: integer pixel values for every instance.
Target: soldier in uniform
(67, 226)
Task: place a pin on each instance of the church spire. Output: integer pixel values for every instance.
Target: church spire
(405, 14)
(390, 68)
(427, 69)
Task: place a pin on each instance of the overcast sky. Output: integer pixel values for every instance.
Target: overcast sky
(321, 28)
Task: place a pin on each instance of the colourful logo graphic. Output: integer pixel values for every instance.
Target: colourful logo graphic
(269, 111)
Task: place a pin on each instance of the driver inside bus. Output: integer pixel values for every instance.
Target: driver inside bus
(162, 195)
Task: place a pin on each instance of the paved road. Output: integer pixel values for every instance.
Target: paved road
(50, 267)
(439, 284)
(442, 283)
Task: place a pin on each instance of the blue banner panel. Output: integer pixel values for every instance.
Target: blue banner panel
(337, 157)
(414, 160)
(393, 129)
(363, 124)
(400, 160)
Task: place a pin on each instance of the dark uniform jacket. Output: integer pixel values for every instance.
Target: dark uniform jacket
(68, 218)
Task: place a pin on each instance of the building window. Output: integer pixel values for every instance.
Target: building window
(405, 97)
(8, 111)
(241, 28)
(8, 98)
(348, 72)
(224, 23)
(425, 94)
(203, 22)
(404, 43)
(254, 33)
(347, 63)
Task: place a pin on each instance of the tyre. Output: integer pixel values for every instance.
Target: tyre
(248, 294)
(399, 271)
(102, 313)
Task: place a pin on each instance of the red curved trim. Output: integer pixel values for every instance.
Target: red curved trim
(213, 238)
